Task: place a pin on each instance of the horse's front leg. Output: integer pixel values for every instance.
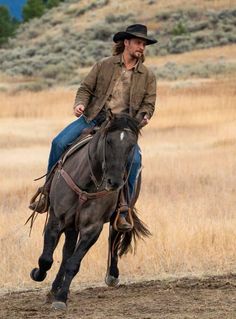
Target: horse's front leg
(51, 238)
(88, 237)
(112, 274)
(71, 236)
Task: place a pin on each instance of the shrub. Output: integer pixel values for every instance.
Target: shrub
(31, 86)
(52, 3)
(179, 29)
(27, 70)
(31, 52)
(33, 33)
(163, 16)
(50, 71)
(57, 72)
(101, 32)
(118, 18)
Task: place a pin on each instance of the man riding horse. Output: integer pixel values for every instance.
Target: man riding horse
(120, 83)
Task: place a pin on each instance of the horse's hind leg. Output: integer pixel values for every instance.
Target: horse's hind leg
(51, 238)
(71, 236)
(112, 274)
(88, 237)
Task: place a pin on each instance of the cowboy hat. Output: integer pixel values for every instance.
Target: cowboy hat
(134, 31)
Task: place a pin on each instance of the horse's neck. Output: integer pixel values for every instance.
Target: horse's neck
(80, 169)
(96, 156)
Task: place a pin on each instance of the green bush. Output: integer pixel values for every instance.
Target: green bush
(52, 3)
(179, 29)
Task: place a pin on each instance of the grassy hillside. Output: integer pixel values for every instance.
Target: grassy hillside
(56, 47)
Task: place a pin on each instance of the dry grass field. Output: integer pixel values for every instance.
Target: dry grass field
(188, 195)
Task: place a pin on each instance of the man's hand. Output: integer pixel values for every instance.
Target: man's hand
(79, 110)
(144, 121)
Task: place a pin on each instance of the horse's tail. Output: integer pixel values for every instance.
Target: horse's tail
(139, 231)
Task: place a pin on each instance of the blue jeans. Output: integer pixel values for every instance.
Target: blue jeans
(70, 133)
(135, 169)
(65, 138)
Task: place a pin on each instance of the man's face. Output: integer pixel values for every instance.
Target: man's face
(135, 47)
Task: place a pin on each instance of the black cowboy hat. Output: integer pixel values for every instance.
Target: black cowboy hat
(134, 31)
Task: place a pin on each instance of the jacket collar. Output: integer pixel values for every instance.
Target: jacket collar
(117, 59)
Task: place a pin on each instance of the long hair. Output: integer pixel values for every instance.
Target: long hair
(119, 47)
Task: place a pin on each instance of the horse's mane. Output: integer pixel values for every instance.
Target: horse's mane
(123, 121)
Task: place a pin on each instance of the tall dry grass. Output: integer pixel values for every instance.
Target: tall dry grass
(188, 192)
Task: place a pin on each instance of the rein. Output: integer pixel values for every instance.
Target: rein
(83, 195)
(93, 177)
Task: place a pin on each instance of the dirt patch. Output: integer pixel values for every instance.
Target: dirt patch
(209, 298)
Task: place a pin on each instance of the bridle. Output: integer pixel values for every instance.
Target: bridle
(92, 175)
(104, 164)
(83, 195)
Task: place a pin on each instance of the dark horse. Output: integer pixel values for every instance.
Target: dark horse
(86, 198)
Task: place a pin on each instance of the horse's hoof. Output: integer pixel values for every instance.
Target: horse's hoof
(36, 276)
(59, 305)
(111, 281)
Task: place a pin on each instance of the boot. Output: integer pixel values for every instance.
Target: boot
(122, 224)
(41, 205)
(40, 201)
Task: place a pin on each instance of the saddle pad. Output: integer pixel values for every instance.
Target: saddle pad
(76, 146)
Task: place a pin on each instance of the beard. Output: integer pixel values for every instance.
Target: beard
(137, 54)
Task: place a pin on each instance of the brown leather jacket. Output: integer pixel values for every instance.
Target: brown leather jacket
(98, 85)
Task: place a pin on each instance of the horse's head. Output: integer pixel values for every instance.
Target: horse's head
(119, 135)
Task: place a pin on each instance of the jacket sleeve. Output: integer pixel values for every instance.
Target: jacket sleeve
(86, 90)
(148, 103)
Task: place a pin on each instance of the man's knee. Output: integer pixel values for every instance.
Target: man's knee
(58, 144)
(137, 157)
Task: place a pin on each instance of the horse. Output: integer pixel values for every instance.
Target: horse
(84, 194)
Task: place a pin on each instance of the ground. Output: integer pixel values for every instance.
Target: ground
(186, 298)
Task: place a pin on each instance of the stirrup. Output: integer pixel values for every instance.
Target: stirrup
(130, 219)
(41, 204)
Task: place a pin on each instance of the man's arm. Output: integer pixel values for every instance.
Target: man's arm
(147, 107)
(78, 110)
(86, 90)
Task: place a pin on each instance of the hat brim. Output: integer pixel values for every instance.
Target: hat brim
(119, 36)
